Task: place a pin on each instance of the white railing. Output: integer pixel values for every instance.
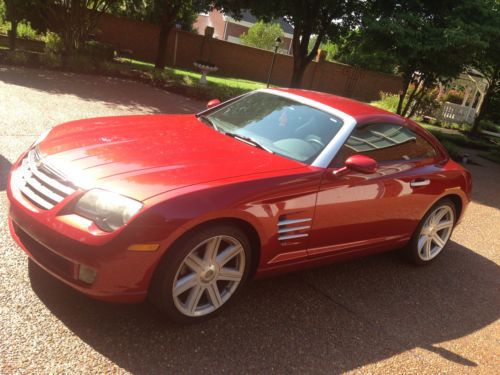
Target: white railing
(451, 112)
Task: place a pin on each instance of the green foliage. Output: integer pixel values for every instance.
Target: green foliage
(487, 61)
(490, 126)
(98, 51)
(53, 43)
(25, 31)
(323, 18)
(17, 58)
(51, 60)
(454, 96)
(262, 35)
(461, 140)
(387, 101)
(453, 150)
(427, 40)
(354, 49)
(2, 12)
(493, 156)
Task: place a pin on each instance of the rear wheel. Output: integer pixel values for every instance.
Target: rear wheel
(433, 233)
(202, 273)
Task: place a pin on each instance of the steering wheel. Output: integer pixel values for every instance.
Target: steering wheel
(315, 141)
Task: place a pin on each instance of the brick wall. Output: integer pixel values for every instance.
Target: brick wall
(239, 61)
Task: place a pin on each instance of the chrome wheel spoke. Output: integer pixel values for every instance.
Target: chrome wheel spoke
(185, 283)
(444, 225)
(212, 248)
(427, 248)
(214, 295)
(230, 275)
(228, 254)
(194, 298)
(194, 262)
(421, 242)
(440, 214)
(438, 241)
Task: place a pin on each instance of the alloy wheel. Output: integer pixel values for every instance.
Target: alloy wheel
(208, 276)
(435, 232)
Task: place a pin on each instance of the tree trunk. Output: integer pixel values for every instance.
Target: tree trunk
(299, 67)
(13, 35)
(162, 46)
(492, 86)
(402, 96)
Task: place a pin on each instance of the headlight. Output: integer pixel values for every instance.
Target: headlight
(109, 211)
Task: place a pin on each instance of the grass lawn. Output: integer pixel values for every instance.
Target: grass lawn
(191, 77)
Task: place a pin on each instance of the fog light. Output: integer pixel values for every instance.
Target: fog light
(86, 274)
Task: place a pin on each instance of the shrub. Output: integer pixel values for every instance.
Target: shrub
(51, 60)
(2, 12)
(82, 63)
(53, 43)
(99, 51)
(25, 31)
(453, 150)
(387, 101)
(490, 126)
(17, 58)
(453, 96)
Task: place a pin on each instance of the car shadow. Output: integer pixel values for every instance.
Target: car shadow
(331, 319)
(488, 176)
(108, 90)
(5, 166)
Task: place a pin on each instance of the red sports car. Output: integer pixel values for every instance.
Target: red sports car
(183, 209)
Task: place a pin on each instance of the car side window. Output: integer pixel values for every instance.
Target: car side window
(384, 142)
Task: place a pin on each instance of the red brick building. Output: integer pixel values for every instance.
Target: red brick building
(229, 29)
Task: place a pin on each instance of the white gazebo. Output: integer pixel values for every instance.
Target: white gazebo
(475, 88)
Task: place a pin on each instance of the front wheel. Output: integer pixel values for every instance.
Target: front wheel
(201, 273)
(433, 233)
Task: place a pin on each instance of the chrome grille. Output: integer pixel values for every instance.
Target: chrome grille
(294, 228)
(41, 184)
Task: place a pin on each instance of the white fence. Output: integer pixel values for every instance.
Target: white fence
(451, 112)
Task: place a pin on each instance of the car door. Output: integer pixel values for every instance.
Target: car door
(356, 211)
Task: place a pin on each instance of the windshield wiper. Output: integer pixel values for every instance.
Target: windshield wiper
(250, 141)
(206, 120)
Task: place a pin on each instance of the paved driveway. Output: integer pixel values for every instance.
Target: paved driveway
(373, 315)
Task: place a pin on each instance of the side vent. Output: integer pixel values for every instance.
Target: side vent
(293, 228)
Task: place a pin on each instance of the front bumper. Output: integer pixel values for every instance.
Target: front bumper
(53, 241)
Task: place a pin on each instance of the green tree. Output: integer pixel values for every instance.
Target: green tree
(354, 49)
(487, 62)
(428, 40)
(320, 18)
(262, 35)
(75, 20)
(15, 12)
(166, 14)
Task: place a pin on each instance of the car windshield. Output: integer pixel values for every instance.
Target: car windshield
(277, 124)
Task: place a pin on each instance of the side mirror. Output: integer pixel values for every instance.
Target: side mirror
(358, 163)
(213, 103)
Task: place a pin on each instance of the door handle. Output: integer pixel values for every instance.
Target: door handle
(420, 182)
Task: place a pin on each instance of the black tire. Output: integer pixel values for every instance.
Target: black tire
(161, 289)
(412, 251)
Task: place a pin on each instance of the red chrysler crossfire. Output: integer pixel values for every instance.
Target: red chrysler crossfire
(183, 209)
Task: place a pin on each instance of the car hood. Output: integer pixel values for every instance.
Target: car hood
(142, 156)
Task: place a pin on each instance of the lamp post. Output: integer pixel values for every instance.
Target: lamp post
(277, 43)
